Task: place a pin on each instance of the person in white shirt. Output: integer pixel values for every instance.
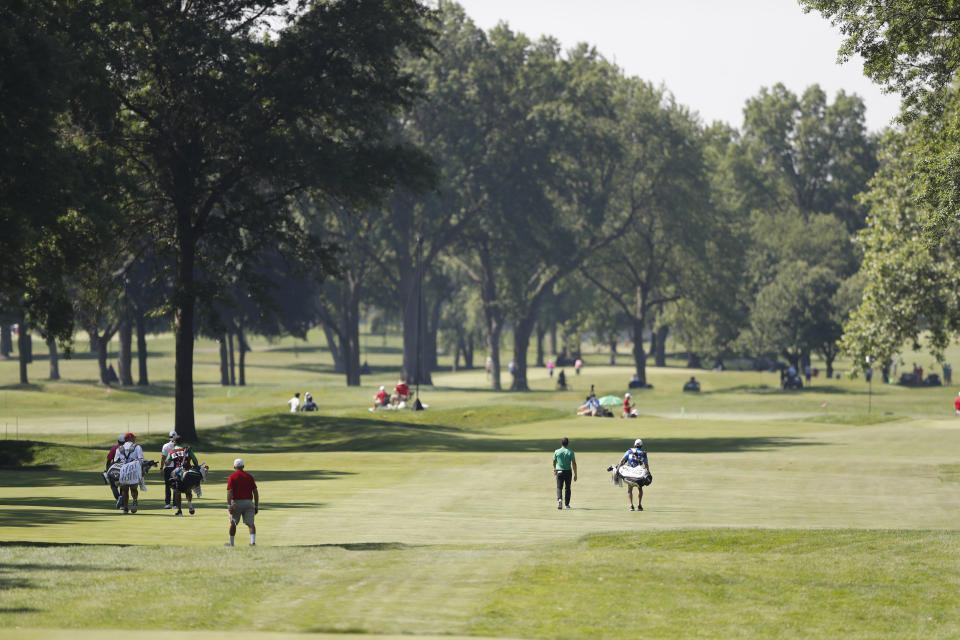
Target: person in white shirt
(167, 470)
(129, 452)
(294, 402)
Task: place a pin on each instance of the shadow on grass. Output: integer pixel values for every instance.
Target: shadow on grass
(281, 433)
(363, 546)
(59, 478)
(16, 386)
(220, 477)
(20, 568)
(41, 517)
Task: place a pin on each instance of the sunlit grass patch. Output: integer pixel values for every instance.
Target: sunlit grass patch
(745, 583)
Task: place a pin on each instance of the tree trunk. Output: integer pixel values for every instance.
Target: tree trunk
(414, 341)
(661, 352)
(184, 303)
(142, 379)
(639, 320)
(693, 360)
(6, 342)
(224, 364)
(101, 342)
(468, 352)
(458, 347)
(350, 328)
(233, 367)
(522, 331)
(494, 329)
(54, 359)
(335, 352)
(829, 363)
(244, 347)
(553, 340)
(613, 349)
(23, 348)
(430, 354)
(639, 357)
(492, 315)
(124, 353)
(541, 332)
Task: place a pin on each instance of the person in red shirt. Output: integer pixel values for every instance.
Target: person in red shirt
(402, 391)
(380, 400)
(627, 406)
(243, 501)
(956, 405)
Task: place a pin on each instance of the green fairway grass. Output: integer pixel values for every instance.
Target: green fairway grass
(829, 512)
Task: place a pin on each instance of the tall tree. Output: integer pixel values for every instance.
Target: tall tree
(228, 107)
(816, 156)
(666, 188)
(446, 125)
(910, 246)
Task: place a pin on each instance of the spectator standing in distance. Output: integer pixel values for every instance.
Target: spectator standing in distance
(578, 365)
(947, 373)
(243, 501)
(294, 402)
(309, 404)
(565, 469)
(627, 406)
(167, 469)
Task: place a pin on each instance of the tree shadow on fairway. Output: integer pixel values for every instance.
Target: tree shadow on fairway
(16, 386)
(273, 434)
(48, 502)
(42, 517)
(275, 475)
(364, 546)
(45, 477)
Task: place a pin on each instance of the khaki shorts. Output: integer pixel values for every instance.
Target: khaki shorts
(242, 509)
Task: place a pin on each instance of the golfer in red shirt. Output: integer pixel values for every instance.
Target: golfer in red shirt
(243, 501)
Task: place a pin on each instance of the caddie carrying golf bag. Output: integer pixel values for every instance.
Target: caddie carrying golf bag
(637, 476)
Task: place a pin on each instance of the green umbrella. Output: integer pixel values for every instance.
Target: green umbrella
(611, 401)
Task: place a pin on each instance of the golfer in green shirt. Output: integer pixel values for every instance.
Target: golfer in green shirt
(564, 467)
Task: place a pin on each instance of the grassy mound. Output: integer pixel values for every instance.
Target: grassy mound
(466, 428)
(28, 454)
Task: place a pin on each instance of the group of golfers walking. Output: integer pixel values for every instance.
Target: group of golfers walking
(182, 474)
(635, 458)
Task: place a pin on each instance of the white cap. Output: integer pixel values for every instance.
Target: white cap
(626, 395)
(173, 434)
(381, 389)
(120, 438)
(238, 463)
(638, 442)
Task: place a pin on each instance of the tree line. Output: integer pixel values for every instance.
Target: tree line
(238, 167)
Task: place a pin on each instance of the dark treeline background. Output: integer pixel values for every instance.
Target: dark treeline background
(228, 168)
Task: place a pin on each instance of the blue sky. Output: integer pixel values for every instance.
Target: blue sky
(711, 54)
